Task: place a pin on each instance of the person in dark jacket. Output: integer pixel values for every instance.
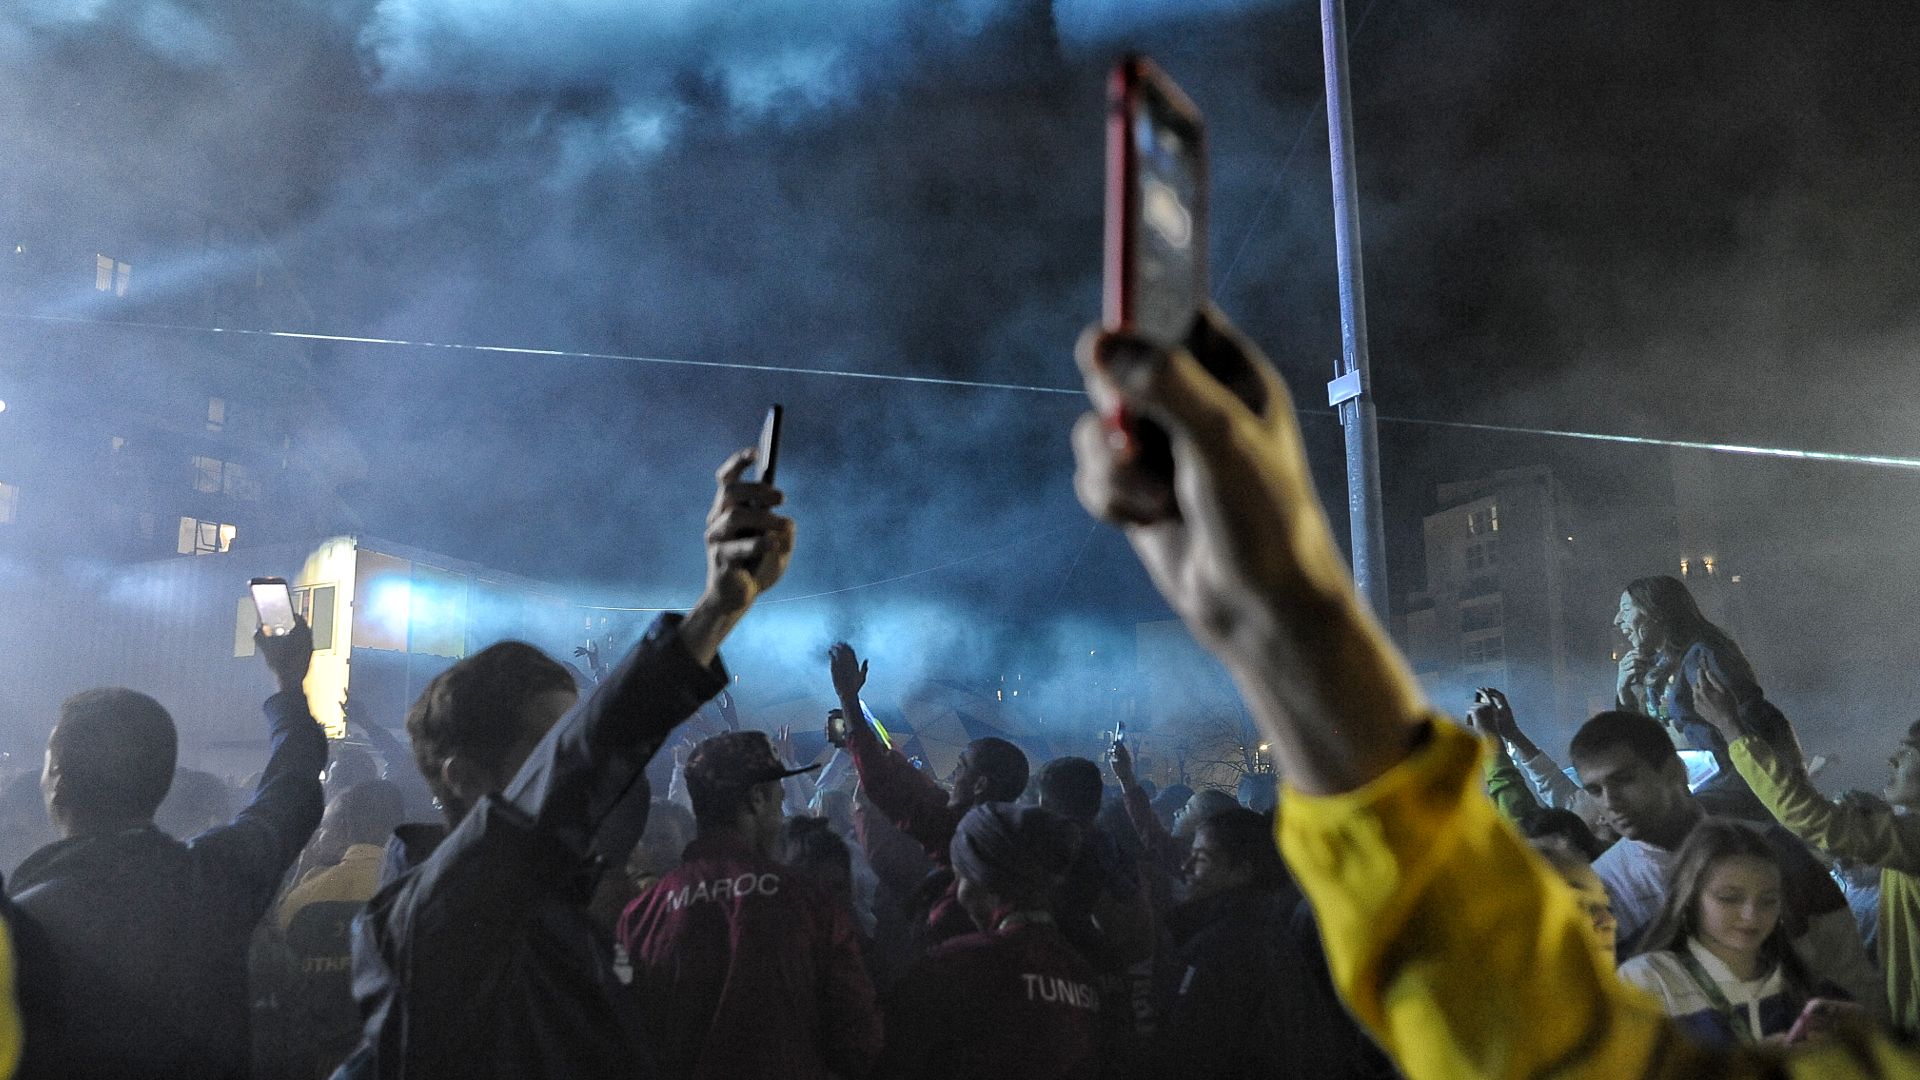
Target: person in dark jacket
(1101, 908)
(990, 770)
(146, 935)
(1245, 991)
(482, 960)
(1013, 999)
(747, 968)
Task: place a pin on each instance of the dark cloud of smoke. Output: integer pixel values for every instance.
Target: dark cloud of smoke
(1642, 218)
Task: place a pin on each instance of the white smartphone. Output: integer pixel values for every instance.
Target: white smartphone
(274, 603)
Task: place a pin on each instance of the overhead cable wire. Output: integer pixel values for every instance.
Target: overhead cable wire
(975, 557)
(1784, 453)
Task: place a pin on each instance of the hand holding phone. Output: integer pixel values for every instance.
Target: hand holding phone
(767, 454)
(284, 640)
(273, 602)
(1820, 1017)
(1156, 232)
(837, 729)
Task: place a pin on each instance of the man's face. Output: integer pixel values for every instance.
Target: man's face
(1903, 784)
(966, 773)
(1209, 870)
(1633, 621)
(1636, 798)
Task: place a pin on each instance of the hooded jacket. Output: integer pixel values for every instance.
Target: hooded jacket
(147, 936)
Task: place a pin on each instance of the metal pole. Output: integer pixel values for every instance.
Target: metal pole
(1352, 390)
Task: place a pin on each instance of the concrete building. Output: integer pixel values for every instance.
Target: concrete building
(127, 436)
(1495, 608)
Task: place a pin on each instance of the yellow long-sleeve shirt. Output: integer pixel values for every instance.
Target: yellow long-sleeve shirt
(1869, 833)
(9, 1009)
(1463, 954)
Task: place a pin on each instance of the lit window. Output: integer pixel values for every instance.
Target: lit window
(1707, 564)
(110, 275)
(215, 477)
(9, 503)
(216, 414)
(1685, 566)
(1484, 521)
(205, 537)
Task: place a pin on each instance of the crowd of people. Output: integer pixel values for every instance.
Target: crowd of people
(598, 894)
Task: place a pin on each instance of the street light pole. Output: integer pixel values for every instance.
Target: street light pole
(1351, 391)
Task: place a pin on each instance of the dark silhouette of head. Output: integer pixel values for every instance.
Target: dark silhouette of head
(810, 845)
(348, 767)
(476, 722)
(110, 760)
(1072, 787)
(1257, 792)
(1170, 802)
(369, 811)
(1006, 856)
(990, 770)
(196, 802)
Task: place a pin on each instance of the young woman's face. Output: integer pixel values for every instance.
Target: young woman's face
(1739, 904)
(1637, 624)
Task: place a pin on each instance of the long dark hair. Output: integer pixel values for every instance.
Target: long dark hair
(1712, 840)
(1667, 601)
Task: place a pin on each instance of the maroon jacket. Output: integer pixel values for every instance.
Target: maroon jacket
(1016, 1003)
(917, 806)
(745, 969)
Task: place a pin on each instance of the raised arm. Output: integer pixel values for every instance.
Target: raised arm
(1444, 933)
(587, 762)
(1158, 843)
(253, 851)
(1861, 828)
(908, 797)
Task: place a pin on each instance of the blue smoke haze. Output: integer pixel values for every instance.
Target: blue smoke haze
(1647, 218)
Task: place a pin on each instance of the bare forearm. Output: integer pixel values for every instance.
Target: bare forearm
(1332, 695)
(707, 625)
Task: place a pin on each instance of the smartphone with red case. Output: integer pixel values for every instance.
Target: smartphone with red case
(1156, 224)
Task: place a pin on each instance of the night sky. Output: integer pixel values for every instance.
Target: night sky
(1689, 220)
